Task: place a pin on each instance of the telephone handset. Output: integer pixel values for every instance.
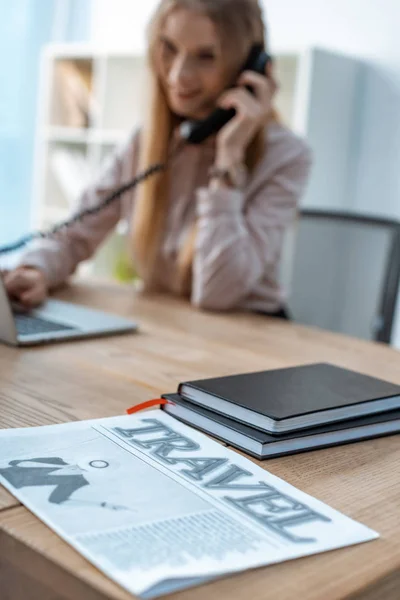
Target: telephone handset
(195, 132)
(192, 132)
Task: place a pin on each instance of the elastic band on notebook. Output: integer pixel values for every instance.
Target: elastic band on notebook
(148, 404)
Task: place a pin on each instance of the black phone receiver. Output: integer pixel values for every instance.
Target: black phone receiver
(195, 132)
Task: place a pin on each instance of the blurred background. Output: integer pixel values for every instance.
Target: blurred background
(71, 73)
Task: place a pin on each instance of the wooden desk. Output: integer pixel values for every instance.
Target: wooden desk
(99, 378)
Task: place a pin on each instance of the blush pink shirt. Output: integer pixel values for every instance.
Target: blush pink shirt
(240, 233)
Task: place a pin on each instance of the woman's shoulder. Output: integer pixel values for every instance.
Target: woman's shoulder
(283, 146)
(286, 154)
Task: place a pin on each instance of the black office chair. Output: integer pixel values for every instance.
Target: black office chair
(345, 273)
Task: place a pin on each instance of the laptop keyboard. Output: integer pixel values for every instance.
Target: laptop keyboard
(28, 325)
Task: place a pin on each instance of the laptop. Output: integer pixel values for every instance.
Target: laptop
(54, 321)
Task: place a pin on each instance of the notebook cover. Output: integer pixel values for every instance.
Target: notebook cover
(266, 438)
(296, 391)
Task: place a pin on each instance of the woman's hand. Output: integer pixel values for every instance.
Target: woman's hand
(252, 112)
(26, 285)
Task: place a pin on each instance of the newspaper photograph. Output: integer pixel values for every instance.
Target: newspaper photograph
(158, 506)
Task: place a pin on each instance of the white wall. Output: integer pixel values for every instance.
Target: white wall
(121, 23)
(366, 29)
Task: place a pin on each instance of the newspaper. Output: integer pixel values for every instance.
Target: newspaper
(158, 506)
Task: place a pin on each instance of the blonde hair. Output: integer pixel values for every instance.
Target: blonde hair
(240, 25)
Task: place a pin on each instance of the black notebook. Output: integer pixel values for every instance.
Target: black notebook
(263, 445)
(286, 400)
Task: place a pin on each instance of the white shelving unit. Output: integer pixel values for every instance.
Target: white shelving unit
(317, 97)
(69, 153)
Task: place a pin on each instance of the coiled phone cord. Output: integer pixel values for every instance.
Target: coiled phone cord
(152, 170)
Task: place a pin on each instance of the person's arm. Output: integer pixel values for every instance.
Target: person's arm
(58, 257)
(234, 249)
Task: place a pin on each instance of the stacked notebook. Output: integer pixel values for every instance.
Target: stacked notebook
(272, 413)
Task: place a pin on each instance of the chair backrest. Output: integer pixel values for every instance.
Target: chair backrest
(345, 273)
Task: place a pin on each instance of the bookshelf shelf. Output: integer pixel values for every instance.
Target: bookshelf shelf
(75, 135)
(68, 135)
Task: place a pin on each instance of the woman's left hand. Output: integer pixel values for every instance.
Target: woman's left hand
(252, 112)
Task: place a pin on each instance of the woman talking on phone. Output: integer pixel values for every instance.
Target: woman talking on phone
(211, 226)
